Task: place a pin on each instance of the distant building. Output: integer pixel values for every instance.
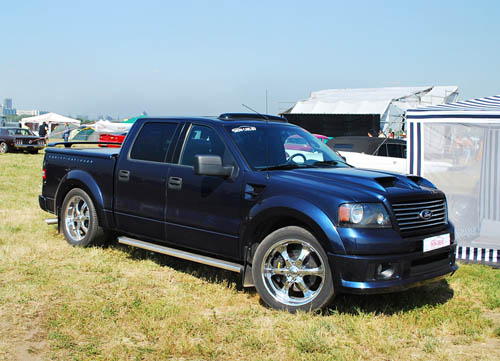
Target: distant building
(33, 112)
(7, 103)
(7, 111)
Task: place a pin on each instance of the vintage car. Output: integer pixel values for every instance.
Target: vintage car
(12, 139)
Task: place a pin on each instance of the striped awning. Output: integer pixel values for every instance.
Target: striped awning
(485, 110)
(464, 139)
(476, 111)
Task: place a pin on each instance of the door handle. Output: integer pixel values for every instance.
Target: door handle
(175, 182)
(124, 175)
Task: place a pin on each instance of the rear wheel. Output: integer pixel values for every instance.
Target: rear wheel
(4, 148)
(291, 271)
(79, 220)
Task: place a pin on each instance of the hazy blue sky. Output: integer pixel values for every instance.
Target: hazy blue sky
(208, 57)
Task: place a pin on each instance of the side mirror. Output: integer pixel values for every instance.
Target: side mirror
(211, 165)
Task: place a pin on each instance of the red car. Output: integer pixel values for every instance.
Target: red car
(117, 138)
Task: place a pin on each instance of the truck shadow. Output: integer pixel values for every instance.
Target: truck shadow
(206, 273)
(430, 295)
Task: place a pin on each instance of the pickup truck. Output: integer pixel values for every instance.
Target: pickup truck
(300, 227)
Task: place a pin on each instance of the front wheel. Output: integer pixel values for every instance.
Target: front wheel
(4, 148)
(291, 271)
(79, 219)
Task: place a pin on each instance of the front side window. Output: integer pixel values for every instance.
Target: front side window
(153, 142)
(203, 140)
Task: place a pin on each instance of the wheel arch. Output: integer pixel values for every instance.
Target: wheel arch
(83, 180)
(266, 218)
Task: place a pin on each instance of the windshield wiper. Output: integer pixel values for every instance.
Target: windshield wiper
(320, 163)
(284, 166)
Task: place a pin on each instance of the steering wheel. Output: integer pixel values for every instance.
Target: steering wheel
(297, 155)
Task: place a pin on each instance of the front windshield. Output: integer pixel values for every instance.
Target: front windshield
(270, 145)
(19, 131)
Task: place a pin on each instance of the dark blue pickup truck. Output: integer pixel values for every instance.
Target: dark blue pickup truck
(256, 195)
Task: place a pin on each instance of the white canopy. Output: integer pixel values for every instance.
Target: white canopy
(105, 126)
(372, 100)
(50, 118)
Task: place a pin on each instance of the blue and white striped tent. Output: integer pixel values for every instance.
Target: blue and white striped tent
(457, 147)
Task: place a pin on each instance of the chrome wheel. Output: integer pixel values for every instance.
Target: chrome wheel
(77, 218)
(3, 147)
(293, 272)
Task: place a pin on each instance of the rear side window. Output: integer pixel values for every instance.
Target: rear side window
(382, 151)
(394, 150)
(153, 142)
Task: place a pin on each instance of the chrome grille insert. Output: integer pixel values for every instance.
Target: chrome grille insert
(409, 215)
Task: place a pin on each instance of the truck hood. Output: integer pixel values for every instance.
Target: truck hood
(359, 185)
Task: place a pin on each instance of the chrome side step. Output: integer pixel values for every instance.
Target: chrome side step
(230, 266)
(51, 221)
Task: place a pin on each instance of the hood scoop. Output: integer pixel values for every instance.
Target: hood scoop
(386, 182)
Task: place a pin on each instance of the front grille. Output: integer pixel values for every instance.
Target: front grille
(408, 214)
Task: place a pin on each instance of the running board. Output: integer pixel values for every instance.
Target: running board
(51, 221)
(229, 266)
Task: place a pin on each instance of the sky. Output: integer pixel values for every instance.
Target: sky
(189, 57)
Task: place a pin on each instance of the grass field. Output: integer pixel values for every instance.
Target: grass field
(117, 303)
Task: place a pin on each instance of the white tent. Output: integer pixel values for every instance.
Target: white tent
(457, 147)
(105, 126)
(52, 119)
(389, 103)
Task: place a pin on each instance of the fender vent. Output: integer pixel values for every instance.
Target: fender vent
(253, 191)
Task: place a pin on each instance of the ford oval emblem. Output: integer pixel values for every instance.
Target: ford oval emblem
(426, 214)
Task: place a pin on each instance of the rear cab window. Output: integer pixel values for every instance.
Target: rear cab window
(153, 142)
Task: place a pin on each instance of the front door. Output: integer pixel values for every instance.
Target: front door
(203, 212)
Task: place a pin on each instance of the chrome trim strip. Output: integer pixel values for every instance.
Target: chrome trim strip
(406, 228)
(418, 204)
(51, 221)
(230, 266)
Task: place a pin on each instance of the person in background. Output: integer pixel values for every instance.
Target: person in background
(67, 130)
(381, 134)
(42, 130)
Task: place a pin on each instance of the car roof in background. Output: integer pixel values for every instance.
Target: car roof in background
(360, 144)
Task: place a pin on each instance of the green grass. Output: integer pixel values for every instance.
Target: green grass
(118, 303)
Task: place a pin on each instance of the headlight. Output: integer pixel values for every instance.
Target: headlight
(364, 215)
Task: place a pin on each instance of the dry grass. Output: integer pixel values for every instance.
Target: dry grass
(117, 303)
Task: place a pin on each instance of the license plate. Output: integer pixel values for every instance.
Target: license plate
(436, 242)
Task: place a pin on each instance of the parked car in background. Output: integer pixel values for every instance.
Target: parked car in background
(371, 152)
(12, 139)
(117, 138)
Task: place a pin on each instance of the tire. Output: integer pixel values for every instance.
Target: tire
(291, 271)
(34, 151)
(79, 220)
(4, 147)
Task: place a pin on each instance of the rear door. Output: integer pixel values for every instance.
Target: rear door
(203, 212)
(140, 180)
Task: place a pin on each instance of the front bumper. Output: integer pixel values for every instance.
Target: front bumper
(358, 274)
(28, 146)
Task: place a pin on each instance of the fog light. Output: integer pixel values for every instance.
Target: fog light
(385, 271)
